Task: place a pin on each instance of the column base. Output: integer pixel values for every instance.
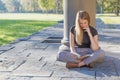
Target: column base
(64, 48)
(64, 45)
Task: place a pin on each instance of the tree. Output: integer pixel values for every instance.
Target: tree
(101, 3)
(98, 7)
(46, 4)
(34, 6)
(2, 7)
(25, 5)
(12, 5)
(59, 6)
(109, 6)
(29, 5)
(117, 7)
(55, 6)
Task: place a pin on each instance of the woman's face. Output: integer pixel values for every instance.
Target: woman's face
(83, 23)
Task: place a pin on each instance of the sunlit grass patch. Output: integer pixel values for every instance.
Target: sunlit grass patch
(13, 29)
(109, 18)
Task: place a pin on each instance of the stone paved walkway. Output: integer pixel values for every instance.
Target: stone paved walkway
(34, 57)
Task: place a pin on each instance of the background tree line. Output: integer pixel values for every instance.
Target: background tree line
(108, 6)
(17, 6)
(53, 6)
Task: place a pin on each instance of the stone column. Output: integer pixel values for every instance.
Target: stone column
(70, 9)
(65, 40)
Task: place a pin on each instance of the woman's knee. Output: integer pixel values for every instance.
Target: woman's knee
(97, 56)
(60, 55)
(100, 56)
(65, 56)
(99, 52)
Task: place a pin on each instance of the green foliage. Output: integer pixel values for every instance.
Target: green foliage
(46, 4)
(31, 6)
(12, 5)
(2, 6)
(109, 6)
(109, 18)
(59, 6)
(13, 29)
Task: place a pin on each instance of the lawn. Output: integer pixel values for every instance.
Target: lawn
(13, 29)
(17, 25)
(109, 18)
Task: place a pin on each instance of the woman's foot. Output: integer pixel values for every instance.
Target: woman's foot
(81, 64)
(91, 65)
(72, 65)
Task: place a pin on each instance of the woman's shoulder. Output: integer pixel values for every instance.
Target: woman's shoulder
(91, 27)
(93, 30)
(72, 29)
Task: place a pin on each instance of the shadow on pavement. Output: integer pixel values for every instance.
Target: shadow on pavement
(108, 68)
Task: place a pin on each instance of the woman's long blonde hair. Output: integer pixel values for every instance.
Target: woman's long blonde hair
(79, 31)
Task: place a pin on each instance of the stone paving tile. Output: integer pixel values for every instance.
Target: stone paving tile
(107, 78)
(78, 78)
(2, 78)
(30, 65)
(107, 70)
(54, 67)
(50, 54)
(16, 50)
(117, 66)
(18, 78)
(109, 46)
(33, 54)
(11, 64)
(74, 73)
(1, 52)
(34, 45)
(106, 74)
(37, 38)
(40, 46)
(23, 45)
(32, 73)
(46, 78)
(107, 67)
(114, 54)
(4, 75)
(6, 47)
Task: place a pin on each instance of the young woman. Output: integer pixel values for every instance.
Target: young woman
(84, 48)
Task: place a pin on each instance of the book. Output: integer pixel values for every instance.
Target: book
(85, 56)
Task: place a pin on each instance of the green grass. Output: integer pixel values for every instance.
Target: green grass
(13, 29)
(109, 18)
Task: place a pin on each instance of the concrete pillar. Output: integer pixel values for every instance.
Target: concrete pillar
(70, 9)
(65, 40)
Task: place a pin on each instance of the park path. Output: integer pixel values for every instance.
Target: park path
(34, 57)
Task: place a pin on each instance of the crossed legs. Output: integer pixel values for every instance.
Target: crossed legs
(72, 62)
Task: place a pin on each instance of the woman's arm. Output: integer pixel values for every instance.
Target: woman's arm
(94, 40)
(72, 44)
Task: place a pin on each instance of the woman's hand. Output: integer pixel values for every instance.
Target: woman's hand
(75, 55)
(87, 29)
